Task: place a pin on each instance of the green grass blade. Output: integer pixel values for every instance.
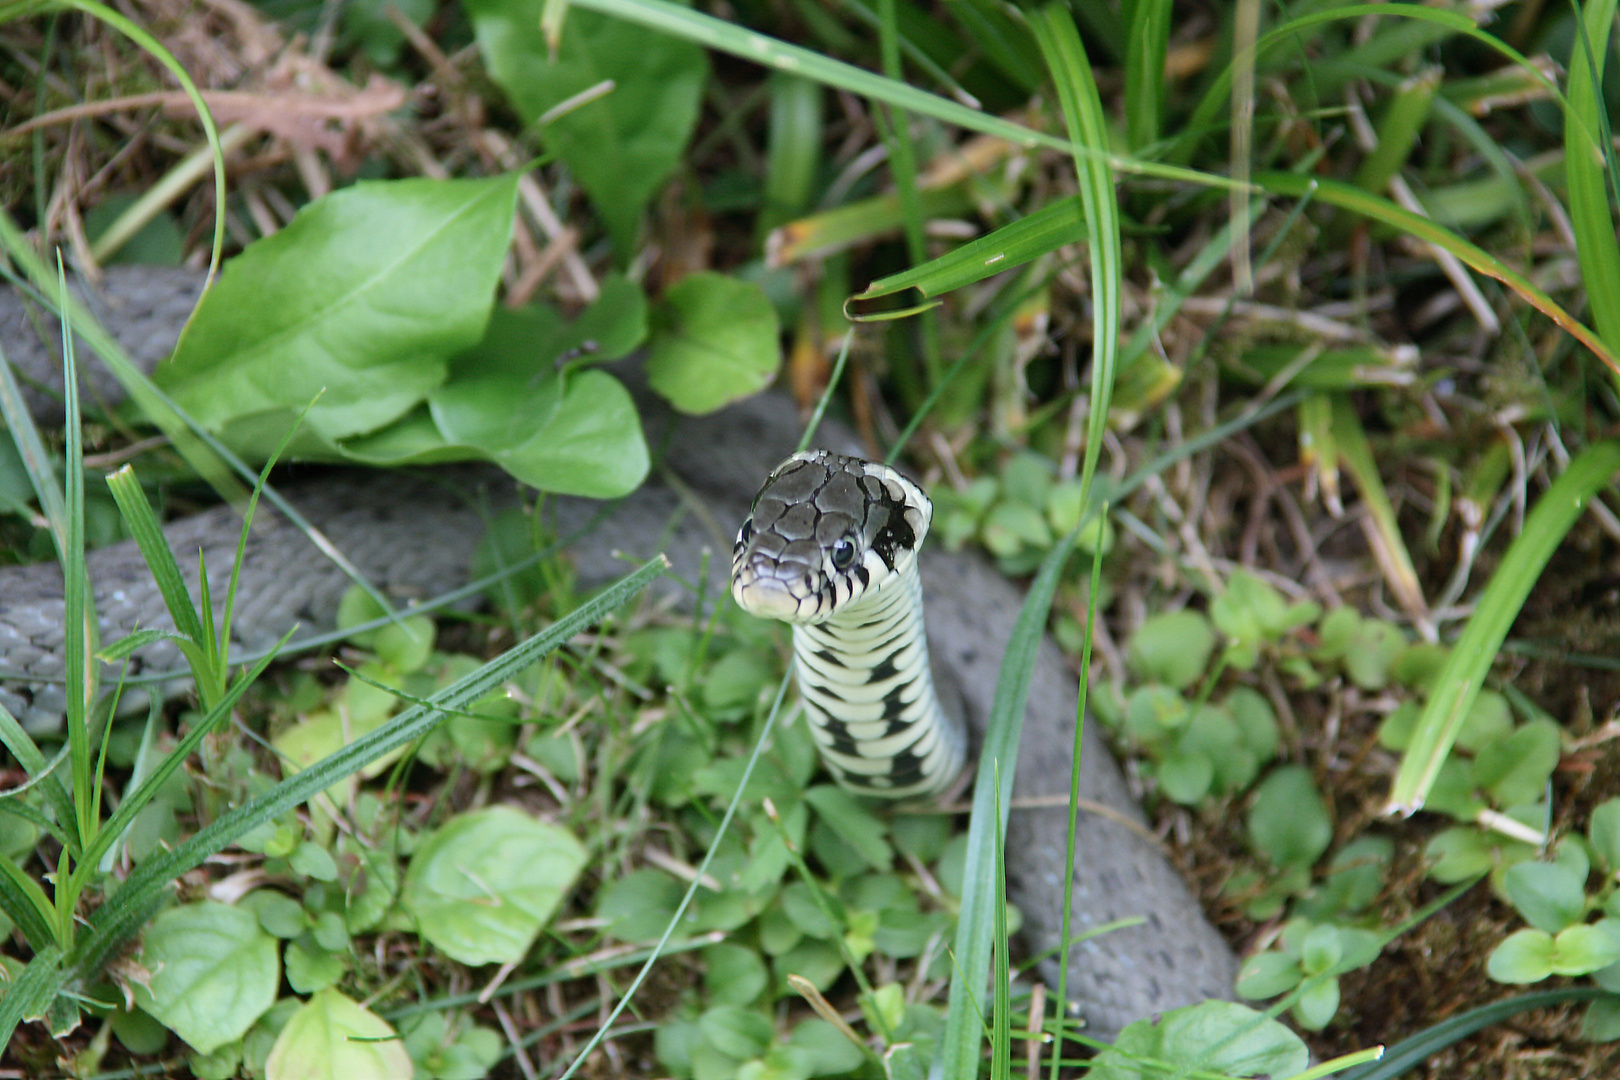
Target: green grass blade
(1355, 454)
(160, 561)
(1088, 129)
(1054, 225)
(28, 755)
(992, 788)
(32, 992)
(1409, 1053)
(123, 913)
(26, 904)
(78, 612)
(1145, 84)
(1349, 197)
(1214, 103)
(793, 153)
(713, 33)
(31, 448)
(148, 789)
(1586, 169)
(1463, 674)
(1398, 130)
(1088, 124)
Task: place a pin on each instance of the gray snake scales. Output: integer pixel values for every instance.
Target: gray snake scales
(412, 535)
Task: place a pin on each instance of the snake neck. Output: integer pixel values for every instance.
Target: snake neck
(869, 693)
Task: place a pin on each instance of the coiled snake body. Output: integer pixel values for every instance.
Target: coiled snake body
(831, 546)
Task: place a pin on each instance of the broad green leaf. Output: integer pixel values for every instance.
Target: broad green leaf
(714, 340)
(735, 1031)
(734, 974)
(1526, 956)
(1288, 822)
(1171, 648)
(1317, 1003)
(638, 906)
(333, 1038)
(213, 972)
(1602, 1020)
(1268, 974)
(361, 300)
(1583, 949)
(799, 904)
(1216, 1037)
(1515, 770)
(573, 433)
(1586, 167)
(311, 968)
(854, 823)
(1186, 777)
(483, 885)
(1489, 720)
(1604, 832)
(624, 144)
(1461, 853)
(831, 1053)
(1549, 896)
(1320, 951)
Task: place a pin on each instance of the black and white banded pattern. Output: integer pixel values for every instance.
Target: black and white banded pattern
(831, 547)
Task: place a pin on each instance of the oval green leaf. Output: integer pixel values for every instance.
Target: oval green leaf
(360, 299)
(214, 971)
(333, 1038)
(483, 885)
(714, 341)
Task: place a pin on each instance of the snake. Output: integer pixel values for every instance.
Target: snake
(830, 546)
(412, 533)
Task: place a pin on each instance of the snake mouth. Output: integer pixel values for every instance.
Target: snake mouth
(766, 598)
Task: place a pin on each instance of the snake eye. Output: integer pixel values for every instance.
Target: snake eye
(843, 553)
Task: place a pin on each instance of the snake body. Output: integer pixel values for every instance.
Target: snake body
(413, 534)
(831, 546)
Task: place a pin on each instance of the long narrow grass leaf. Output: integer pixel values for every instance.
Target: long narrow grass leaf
(1087, 123)
(714, 33)
(31, 993)
(1463, 673)
(1001, 1014)
(1398, 130)
(1409, 1053)
(78, 616)
(959, 1046)
(148, 789)
(154, 548)
(1352, 198)
(1214, 102)
(26, 905)
(1587, 170)
(1355, 453)
(1146, 47)
(1057, 224)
